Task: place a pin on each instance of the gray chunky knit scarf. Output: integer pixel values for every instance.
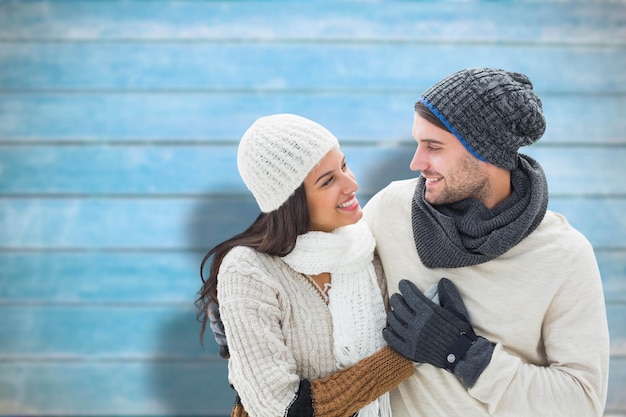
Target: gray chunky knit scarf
(468, 233)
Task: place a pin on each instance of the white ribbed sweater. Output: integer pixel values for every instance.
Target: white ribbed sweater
(282, 323)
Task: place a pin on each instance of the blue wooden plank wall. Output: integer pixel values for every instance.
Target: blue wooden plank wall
(119, 122)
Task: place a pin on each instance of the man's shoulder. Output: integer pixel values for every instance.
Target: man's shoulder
(556, 228)
(556, 221)
(393, 201)
(400, 185)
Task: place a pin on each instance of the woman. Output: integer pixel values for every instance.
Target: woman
(299, 292)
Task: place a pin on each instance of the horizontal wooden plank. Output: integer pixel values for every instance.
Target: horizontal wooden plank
(600, 220)
(612, 265)
(209, 117)
(166, 66)
(575, 171)
(121, 223)
(197, 223)
(616, 317)
(104, 332)
(157, 278)
(152, 389)
(148, 332)
(118, 278)
(99, 245)
(616, 401)
(91, 388)
(571, 22)
(158, 170)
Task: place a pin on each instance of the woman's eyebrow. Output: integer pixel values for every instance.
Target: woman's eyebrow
(323, 175)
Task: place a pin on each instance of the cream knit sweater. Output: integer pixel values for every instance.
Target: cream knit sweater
(541, 303)
(279, 318)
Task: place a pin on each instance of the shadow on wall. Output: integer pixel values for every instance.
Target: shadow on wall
(392, 165)
(194, 380)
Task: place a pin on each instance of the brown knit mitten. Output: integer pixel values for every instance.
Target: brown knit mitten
(238, 411)
(345, 392)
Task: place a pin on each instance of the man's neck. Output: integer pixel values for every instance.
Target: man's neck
(500, 187)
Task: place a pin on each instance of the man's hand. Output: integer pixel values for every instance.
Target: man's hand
(440, 335)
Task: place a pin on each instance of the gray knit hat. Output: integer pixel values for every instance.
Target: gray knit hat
(276, 154)
(491, 111)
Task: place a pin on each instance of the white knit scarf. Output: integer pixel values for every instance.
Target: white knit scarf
(354, 299)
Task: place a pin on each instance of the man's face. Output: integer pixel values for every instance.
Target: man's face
(452, 174)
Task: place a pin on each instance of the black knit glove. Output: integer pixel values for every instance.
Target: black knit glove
(440, 335)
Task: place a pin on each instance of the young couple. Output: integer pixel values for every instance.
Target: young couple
(496, 303)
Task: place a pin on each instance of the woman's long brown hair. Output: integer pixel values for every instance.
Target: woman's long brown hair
(273, 233)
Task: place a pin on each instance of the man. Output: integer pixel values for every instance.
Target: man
(518, 326)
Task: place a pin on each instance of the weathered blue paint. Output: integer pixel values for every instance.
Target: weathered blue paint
(119, 122)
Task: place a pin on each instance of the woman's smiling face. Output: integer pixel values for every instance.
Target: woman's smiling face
(331, 194)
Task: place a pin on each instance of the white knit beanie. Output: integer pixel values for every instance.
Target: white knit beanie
(277, 153)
